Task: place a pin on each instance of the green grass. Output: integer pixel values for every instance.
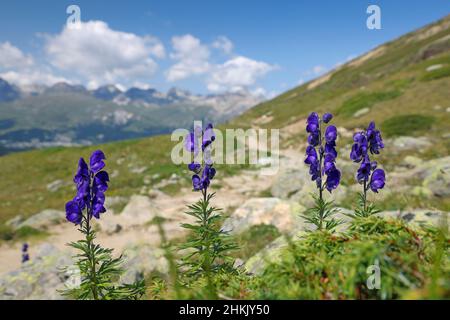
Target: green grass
(436, 74)
(405, 125)
(23, 233)
(322, 265)
(365, 100)
(255, 239)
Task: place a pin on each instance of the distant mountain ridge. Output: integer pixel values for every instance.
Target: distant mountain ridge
(65, 114)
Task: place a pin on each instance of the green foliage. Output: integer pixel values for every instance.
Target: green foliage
(406, 124)
(365, 100)
(6, 233)
(323, 265)
(207, 246)
(99, 271)
(364, 208)
(321, 215)
(255, 239)
(436, 74)
(23, 233)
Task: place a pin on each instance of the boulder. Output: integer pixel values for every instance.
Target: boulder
(409, 143)
(39, 278)
(281, 213)
(141, 260)
(296, 185)
(139, 210)
(43, 219)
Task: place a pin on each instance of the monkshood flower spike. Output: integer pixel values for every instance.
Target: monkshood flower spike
(25, 255)
(207, 245)
(321, 157)
(367, 143)
(97, 267)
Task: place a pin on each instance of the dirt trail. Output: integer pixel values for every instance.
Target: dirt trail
(235, 190)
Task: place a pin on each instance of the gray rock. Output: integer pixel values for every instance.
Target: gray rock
(39, 278)
(14, 222)
(361, 112)
(283, 214)
(409, 143)
(141, 260)
(43, 219)
(296, 185)
(140, 209)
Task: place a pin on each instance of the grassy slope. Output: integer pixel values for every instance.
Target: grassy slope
(391, 84)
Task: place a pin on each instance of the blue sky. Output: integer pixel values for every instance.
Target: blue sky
(203, 46)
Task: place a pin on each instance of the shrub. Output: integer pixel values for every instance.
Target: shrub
(365, 100)
(408, 124)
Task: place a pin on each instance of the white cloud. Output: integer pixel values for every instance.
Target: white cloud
(13, 57)
(103, 55)
(224, 44)
(192, 57)
(237, 73)
(27, 78)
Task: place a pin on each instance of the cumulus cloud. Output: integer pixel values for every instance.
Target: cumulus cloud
(103, 55)
(237, 73)
(191, 55)
(26, 78)
(13, 57)
(224, 44)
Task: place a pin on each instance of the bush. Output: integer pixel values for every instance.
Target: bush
(255, 239)
(327, 266)
(6, 233)
(409, 124)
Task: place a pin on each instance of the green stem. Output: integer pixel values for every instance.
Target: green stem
(365, 197)
(206, 253)
(92, 262)
(320, 175)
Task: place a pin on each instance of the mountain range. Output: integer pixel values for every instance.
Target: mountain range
(65, 114)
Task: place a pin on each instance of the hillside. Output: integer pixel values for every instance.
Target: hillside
(403, 85)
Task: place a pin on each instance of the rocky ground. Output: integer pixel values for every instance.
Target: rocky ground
(248, 198)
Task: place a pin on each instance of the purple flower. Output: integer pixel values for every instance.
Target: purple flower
(326, 152)
(311, 155)
(330, 134)
(359, 148)
(202, 178)
(312, 123)
(96, 161)
(74, 213)
(208, 136)
(327, 117)
(25, 257)
(194, 167)
(191, 141)
(25, 247)
(374, 139)
(377, 180)
(370, 139)
(363, 171)
(91, 183)
(333, 179)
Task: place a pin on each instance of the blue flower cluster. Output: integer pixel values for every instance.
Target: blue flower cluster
(323, 160)
(202, 174)
(25, 255)
(364, 142)
(91, 184)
